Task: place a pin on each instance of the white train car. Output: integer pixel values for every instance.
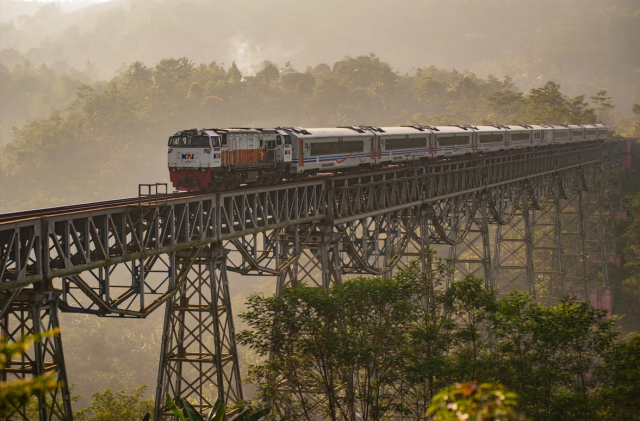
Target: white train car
(401, 144)
(331, 149)
(603, 131)
(453, 140)
(542, 135)
(561, 134)
(577, 133)
(490, 138)
(519, 137)
(591, 132)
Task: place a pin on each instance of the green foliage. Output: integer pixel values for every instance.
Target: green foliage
(473, 402)
(29, 91)
(174, 408)
(636, 127)
(121, 406)
(384, 347)
(620, 376)
(19, 392)
(119, 356)
(186, 412)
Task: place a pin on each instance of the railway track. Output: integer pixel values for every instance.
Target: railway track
(83, 207)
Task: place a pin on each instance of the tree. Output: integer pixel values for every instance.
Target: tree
(546, 105)
(338, 350)
(184, 411)
(268, 74)
(122, 406)
(636, 110)
(473, 402)
(173, 76)
(138, 75)
(604, 105)
(432, 91)
(471, 304)
(366, 72)
(547, 355)
(620, 377)
(234, 74)
(19, 392)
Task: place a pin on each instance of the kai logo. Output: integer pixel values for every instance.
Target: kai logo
(188, 156)
(216, 156)
(287, 152)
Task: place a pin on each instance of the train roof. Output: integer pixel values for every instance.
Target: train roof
(331, 132)
(541, 127)
(365, 131)
(453, 129)
(495, 128)
(416, 131)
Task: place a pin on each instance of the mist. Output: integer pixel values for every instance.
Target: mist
(584, 45)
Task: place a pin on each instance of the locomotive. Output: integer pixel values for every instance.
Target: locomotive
(222, 159)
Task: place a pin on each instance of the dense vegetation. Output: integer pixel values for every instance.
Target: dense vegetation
(585, 45)
(383, 348)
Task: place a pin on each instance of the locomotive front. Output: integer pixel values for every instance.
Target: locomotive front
(192, 155)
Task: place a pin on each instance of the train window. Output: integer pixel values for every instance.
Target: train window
(279, 140)
(561, 134)
(536, 135)
(577, 133)
(412, 143)
(224, 139)
(328, 148)
(200, 141)
(453, 140)
(491, 138)
(178, 141)
(287, 140)
(215, 140)
(519, 137)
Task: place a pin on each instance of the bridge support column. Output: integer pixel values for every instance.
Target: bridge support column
(548, 250)
(574, 241)
(314, 254)
(29, 313)
(199, 359)
(614, 197)
(514, 251)
(583, 242)
(598, 223)
(473, 254)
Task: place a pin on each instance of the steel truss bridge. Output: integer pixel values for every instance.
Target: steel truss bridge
(535, 220)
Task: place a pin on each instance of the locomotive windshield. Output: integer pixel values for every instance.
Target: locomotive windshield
(189, 141)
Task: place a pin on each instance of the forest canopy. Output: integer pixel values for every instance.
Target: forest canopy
(100, 139)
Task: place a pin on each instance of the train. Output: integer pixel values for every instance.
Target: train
(223, 159)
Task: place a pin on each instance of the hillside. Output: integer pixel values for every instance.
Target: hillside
(585, 45)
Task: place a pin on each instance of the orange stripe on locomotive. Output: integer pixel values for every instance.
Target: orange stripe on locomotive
(243, 157)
